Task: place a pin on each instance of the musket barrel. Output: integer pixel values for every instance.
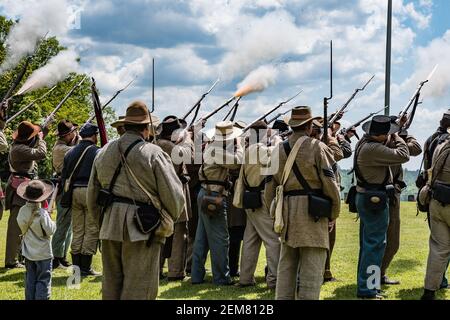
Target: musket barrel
(211, 114)
(29, 106)
(60, 105)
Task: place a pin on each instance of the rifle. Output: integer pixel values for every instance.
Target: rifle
(278, 116)
(272, 111)
(153, 101)
(99, 114)
(213, 113)
(345, 106)
(30, 105)
(50, 117)
(111, 100)
(233, 111)
(360, 122)
(196, 106)
(325, 100)
(17, 80)
(414, 102)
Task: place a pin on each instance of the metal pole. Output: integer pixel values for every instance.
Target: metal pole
(387, 98)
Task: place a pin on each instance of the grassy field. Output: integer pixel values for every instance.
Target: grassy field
(408, 267)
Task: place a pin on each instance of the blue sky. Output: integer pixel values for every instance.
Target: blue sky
(197, 41)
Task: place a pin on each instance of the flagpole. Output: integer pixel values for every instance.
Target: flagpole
(387, 97)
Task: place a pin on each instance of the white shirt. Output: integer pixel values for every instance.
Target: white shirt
(37, 228)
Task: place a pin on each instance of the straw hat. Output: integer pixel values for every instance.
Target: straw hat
(25, 131)
(300, 116)
(35, 190)
(226, 131)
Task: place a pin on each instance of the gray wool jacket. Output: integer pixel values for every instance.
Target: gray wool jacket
(154, 169)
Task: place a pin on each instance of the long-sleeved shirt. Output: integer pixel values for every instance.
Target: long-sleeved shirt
(431, 144)
(37, 228)
(58, 153)
(81, 177)
(254, 171)
(374, 159)
(23, 157)
(415, 149)
(315, 161)
(217, 163)
(155, 172)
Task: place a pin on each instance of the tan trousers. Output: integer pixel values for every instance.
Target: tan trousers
(259, 230)
(177, 260)
(305, 264)
(393, 235)
(439, 253)
(84, 228)
(130, 270)
(12, 237)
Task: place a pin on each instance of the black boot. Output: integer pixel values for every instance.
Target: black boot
(64, 262)
(55, 263)
(76, 260)
(86, 266)
(428, 295)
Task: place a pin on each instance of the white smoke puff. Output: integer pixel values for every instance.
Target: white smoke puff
(56, 70)
(257, 81)
(36, 19)
(261, 41)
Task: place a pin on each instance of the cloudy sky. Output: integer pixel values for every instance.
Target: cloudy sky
(195, 42)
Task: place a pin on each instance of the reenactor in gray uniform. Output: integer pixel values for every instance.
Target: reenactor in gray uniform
(249, 191)
(430, 146)
(67, 139)
(178, 145)
(27, 148)
(303, 226)
(223, 154)
(135, 183)
(375, 190)
(439, 253)
(393, 233)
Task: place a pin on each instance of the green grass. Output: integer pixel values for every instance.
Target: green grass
(408, 267)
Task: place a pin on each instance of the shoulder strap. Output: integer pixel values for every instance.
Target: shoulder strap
(119, 167)
(298, 174)
(358, 173)
(76, 166)
(291, 155)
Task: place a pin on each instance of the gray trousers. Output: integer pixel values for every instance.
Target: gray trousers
(177, 260)
(305, 264)
(85, 230)
(439, 253)
(259, 230)
(130, 270)
(63, 235)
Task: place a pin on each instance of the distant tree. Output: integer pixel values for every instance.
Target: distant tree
(77, 109)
